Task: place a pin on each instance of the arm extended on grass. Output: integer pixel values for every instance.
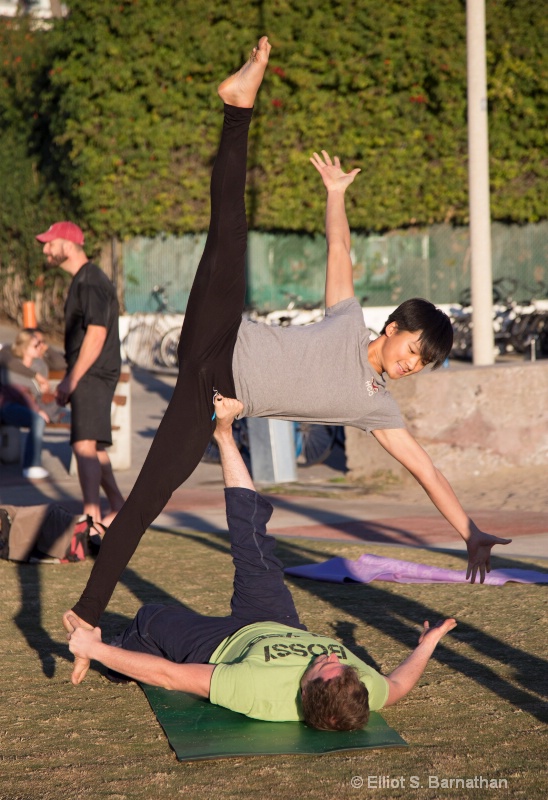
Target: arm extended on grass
(153, 670)
(406, 676)
(339, 283)
(403, 447)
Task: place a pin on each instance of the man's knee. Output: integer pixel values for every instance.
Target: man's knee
(140, 635)
(146, 616)
(85, 448)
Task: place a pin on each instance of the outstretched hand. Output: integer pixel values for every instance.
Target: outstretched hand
(332, 175)
(479, 553)
(438, 631)
(71, 623)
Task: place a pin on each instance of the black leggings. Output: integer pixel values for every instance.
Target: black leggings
(208, 336)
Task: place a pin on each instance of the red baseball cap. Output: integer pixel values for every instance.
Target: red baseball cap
(62, 230)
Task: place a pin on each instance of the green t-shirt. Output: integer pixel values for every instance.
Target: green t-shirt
(259, 670)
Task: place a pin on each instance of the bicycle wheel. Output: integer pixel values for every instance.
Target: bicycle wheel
(519, 332)
(139, 344)
(317, 442)
(168, 348)
(462, 338)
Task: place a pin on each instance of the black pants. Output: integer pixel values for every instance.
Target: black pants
(260, 594)
(212, 319)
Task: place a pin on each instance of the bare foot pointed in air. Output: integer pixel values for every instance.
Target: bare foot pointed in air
(241, 88)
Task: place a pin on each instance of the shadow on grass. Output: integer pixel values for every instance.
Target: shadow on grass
(29, 617)
(29, 620)
(400, 618)
(395, 616)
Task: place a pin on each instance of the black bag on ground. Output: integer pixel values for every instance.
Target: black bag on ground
(37, 533)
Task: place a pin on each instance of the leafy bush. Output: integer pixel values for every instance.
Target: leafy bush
(135, 117)
(111, 117)
(28, 203)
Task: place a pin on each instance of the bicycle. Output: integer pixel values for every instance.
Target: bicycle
(297, 312)
(314, 443)
(517, 325)
(152, 339)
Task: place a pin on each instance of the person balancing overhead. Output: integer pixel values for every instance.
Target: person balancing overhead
(327, 372)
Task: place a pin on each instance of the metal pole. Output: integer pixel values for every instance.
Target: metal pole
(483, 344)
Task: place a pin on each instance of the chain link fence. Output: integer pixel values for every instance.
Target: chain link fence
(432, 263)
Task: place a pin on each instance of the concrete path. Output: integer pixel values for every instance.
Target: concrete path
(321, 505)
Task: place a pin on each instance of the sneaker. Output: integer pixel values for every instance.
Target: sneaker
(35, 473)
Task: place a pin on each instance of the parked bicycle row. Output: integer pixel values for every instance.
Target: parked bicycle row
(152, 338)
(519, 326)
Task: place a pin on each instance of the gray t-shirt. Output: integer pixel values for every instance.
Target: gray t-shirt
(313, 373)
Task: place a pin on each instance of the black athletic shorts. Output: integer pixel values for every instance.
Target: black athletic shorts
(90, 410)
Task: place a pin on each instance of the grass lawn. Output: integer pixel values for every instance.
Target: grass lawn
(479, 712)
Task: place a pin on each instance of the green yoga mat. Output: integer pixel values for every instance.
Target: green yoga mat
(197, 730)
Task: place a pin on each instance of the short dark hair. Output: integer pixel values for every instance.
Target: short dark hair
(436, 339)
(339, 704)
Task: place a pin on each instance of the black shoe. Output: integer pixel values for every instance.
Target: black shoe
(5, 525)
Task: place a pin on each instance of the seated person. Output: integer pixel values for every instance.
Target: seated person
(49, 359)
(260, 660)
(19, 408)
(23, 364)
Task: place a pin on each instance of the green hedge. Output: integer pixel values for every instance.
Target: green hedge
(28, 201)
(125, 121)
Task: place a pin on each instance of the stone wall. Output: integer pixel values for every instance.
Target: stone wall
(476, 419)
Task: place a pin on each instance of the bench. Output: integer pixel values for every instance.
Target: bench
(119, 453)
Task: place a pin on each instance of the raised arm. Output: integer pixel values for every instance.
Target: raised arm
(406, 676)
(235, 472)
(86, 644)
(405, 449)
(339, 284)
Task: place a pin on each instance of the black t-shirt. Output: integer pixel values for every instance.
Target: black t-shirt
(92, 300)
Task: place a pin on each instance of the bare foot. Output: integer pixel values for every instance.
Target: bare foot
(241, 88)
(81, 665)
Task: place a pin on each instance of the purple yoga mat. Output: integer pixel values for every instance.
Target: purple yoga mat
(369, 568)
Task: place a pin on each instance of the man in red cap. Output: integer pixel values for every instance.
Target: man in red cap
(92, 351)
